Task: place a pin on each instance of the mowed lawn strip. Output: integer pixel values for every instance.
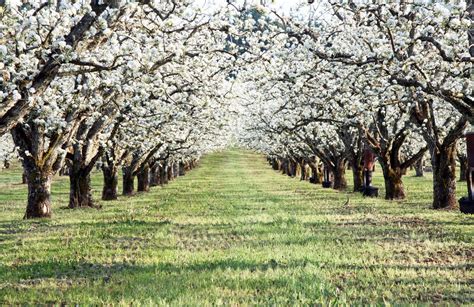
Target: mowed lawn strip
(233, 231)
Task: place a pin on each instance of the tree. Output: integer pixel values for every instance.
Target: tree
(39, 38)
(104, 86)
(7, 150)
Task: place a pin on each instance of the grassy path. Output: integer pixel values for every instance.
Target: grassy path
(234, 231)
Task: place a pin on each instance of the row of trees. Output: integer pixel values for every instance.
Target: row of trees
(393, 77)
(141, 84)
(137, 85)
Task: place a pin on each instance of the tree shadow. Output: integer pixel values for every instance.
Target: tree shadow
(170, 281)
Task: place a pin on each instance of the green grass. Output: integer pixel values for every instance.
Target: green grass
(233, 231)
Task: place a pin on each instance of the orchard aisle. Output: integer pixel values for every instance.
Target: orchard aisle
(234, 231)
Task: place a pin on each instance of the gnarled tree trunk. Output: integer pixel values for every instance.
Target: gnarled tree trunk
(316, 174)
(463, 167)
(128, 181)
(339, 172)
(275, 165)
(419, 172)
(143, 177)
(182, 169)
(39, 194)
(394, 188)
(109, 190)
(164, 174)
(358, 174)
(444, 177)
(80, 194)
(154, 175)
(24, 178)
(170, 172)
(293, 168)
(284, 166)
(303, 170)
(175, 170)
(64, 171)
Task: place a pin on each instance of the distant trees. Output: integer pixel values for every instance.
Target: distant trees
(147, 87)
(131, 85)
(396, 76)
(7, 151)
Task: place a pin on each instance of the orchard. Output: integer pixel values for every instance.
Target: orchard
(142, 140)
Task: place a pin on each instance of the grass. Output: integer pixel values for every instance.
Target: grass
(233, 231)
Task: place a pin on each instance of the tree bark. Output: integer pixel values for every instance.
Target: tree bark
(39, 194)
(64, 171)
(182, 169)
(303, 170)
(170, 172)
(292, 168)
(128, 181)
(38, 173)
(24, 178)
(143, 177)
(284, 166)
(80, 192)
(164, 174)
(154, 175)
(463, 167)
(339, 172)
(419, 172)
(358, 174)
(175, 170)
(316, 174)
(109, 191)
(275, 165)
(444, 177)
(394, 188)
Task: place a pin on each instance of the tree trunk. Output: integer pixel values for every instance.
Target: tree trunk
(39, 194)
(284, 167)
(393, 183)
(24, 178)
(419, 172)
(275, 164)
(164, 174)
(128, 181)
(463, 167)
(143, 177)
(64, 171)
(339, 171)
(80, 194)
(154, 175)
(182, 171)
(109, 191)
(303, 170)
(170, 172)
(175, 170)
(444, 177)
(358, 174)
(316, 176)
(292, 168)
